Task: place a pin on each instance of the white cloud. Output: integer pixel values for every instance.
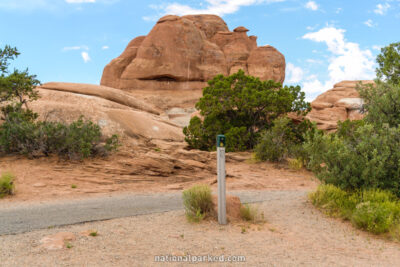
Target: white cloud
(314, 61)
(80, 1)
(377, 47)
(369, 23)
(381, 9)
(334, 38)
(105, 47)
(81, 47)
(151, 18)
(347, 61)
(312, 86)
(338, 10)
(311, 28)
(295, 74)
(312, 5)
(217, 7)
(85, 56)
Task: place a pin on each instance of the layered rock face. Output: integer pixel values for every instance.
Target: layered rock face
(340, 103)
(114, 110)
(185, 52)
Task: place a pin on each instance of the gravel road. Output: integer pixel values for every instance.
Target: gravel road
(19, 218)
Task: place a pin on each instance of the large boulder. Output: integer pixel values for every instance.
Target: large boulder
(340, 103)
(183, 53)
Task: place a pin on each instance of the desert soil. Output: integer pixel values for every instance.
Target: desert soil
(294, 234)
(143, 170)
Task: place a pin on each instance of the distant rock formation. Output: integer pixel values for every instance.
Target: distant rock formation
(338, 104)
(185, 52)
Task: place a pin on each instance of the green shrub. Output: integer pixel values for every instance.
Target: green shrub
(283, 139)
(332, 200)
(16, 86)
(237, 138)
(21, 132)
(78, 140)
(376, 195)
(364, 154)
(197, 201)
(347, 129)
(195, 135)
(6, 184)
(112, 143)
(368, 159)
(376, 211)
(376, 217)
(381, 103)
(94, 233)
(295, 164)
(389, 63)
(250, 213)
(363, 157)
(240, 107)
(271, 147)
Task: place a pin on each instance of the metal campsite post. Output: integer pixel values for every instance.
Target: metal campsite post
(221, 142)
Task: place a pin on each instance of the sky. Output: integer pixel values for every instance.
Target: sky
(323, 42)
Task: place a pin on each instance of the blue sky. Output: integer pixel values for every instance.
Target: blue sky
(323, 41)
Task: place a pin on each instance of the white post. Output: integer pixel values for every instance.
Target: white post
(221, 179)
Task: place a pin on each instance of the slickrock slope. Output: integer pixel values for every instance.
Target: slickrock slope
(114, 110)
(184, 52)
(340, 103)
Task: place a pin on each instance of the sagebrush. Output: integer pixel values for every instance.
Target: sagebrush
(373, 210)
(251, 213)
(197, 201)
(6, 184)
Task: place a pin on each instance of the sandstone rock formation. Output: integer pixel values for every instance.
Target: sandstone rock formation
(114, 110)
(185, 52)
(104, 92)
(338, 104)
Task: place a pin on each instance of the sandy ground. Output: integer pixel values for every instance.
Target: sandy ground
(294, 234)
(142, 170)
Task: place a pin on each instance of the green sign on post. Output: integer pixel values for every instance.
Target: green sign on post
(221, 143)
(221, 140)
